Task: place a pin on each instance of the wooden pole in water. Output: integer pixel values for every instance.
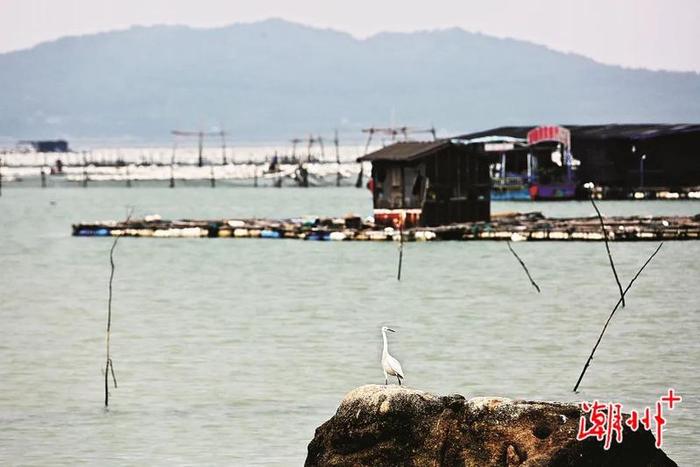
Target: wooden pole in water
(522, 263)
(337, 158)
(308, 148)
(109, 366)
(607, 248)
(85, 175)
(212, 178)
(619, 301)
(302, 171)
(360, 176)
(294, 148)
(172, 165)
(223, 147)
(401, 221)
(201, 148)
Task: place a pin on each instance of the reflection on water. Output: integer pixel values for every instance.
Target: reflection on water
(234, 351)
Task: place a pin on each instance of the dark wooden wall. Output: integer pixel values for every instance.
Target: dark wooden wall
(459, 187)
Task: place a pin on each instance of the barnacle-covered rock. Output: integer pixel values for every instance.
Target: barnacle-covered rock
(395, 425)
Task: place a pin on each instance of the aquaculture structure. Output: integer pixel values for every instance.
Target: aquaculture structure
(510, 226)
(538, 167)
(429, 183)
(622, 161)
(58, 145)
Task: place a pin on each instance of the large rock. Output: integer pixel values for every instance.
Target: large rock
(393, 425)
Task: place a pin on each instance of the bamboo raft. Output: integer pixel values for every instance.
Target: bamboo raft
(509, 226)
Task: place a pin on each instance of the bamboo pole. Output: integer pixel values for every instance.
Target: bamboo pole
(85, 172)
(109, 367)
(590, 357)
(337, 158)
(607, 248)
(522, 263)
(403, 218)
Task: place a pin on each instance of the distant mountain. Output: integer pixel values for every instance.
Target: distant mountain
(273, 79)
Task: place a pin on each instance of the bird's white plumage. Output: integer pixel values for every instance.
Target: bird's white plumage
(390, 365)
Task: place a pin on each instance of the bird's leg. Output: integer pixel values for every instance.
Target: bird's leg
(386, 379)
(399, 380)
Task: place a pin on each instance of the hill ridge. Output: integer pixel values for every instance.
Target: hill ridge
(276, 79)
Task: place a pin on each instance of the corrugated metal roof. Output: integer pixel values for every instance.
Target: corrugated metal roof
(635, 132)
(405, 151)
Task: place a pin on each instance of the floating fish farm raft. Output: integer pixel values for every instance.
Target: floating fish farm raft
(509, 226)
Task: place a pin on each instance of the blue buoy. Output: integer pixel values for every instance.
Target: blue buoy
(318, 236)
(269, 234)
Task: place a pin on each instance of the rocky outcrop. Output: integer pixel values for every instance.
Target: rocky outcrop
(393, 425)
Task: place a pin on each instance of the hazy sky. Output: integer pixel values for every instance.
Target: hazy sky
(637, 33)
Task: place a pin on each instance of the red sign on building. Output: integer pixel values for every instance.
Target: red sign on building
(549, 133)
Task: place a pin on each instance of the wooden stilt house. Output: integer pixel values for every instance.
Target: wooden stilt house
(430, 183)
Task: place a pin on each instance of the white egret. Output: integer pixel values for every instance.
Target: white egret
(390, 365)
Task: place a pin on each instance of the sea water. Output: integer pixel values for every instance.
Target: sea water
(232, 351)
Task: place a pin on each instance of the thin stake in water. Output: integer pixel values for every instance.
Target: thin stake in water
(607, 248)
(109, 366)
(403, 217)
(619, 301)
(522, 263)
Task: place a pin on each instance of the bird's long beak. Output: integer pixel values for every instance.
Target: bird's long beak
(389, 329)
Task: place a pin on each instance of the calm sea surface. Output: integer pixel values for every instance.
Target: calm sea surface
(233, 351)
